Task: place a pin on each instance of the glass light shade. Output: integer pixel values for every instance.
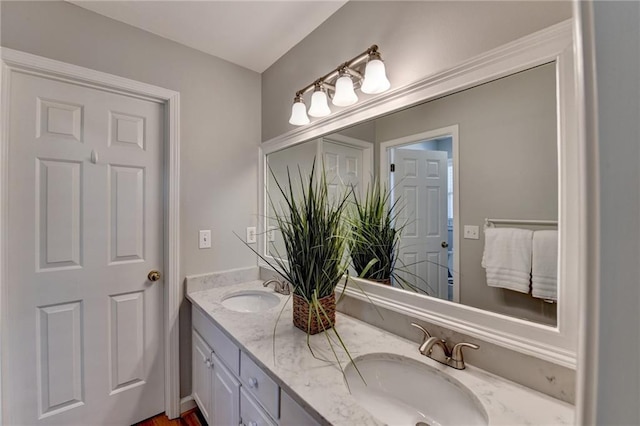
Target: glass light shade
(345, 95)
(319, 105)
(299, 115)
(375, 78)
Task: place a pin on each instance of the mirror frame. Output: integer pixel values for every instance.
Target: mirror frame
(554, 344)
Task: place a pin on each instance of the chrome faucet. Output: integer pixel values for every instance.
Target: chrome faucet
(452, 358)
(281, 287)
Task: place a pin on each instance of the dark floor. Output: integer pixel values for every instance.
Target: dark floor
(188, 418)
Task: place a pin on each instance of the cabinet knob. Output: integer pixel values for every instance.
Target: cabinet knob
(208, 363)
(253, 382)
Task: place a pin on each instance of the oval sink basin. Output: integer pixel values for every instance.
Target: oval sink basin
(402, 391)
(250, 301)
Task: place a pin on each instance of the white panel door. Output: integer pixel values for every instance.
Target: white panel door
(420, 184)
(85, 227)
(343, 166)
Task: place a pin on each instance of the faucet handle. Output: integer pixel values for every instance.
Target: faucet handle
(457, 358)
(285, 288)
(427, 335)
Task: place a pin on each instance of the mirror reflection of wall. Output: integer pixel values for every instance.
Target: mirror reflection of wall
(501, 162)
(347, 162)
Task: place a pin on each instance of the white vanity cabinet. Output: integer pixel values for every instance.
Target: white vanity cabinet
(231, 389)
(201, 364)
(225, 400)
(292, 414)
(215, 390)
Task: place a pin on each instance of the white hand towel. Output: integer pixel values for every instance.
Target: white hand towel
(507, 258)
(544, 270)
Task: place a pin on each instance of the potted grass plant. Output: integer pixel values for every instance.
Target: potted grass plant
(375, 237)
(314, 236)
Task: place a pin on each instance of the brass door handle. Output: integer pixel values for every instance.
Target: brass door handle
(153, 276)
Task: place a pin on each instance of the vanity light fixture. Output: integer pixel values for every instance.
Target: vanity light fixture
(299, 115)
(375, 76)
(344, 95)
(319, 102)
(346, 77)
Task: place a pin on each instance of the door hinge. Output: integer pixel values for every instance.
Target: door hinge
(393, 168)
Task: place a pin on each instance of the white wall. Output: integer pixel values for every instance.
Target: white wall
(610, 362)
(220, 123)
(416, 39)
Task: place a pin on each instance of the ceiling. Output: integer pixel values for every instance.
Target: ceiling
(252, 34)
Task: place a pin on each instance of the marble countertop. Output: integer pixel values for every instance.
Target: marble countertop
(319, 385)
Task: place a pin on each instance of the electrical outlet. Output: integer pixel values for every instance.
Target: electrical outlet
(471, 232)
(204, 240)
(271, 234)
(251, 234)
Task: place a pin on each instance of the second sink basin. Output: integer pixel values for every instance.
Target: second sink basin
(250, 301)
(402, 391)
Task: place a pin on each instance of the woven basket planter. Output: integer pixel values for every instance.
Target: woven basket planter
(386, 281)
(312, 325)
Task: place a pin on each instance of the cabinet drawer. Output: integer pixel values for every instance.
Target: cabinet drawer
(250, 412)
(260, 385)
(223, 347)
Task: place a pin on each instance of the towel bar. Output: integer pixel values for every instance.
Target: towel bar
(490, 223)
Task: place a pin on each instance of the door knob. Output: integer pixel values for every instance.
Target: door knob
(444, 244)
(153, 276)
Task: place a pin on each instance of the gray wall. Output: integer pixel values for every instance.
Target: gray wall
(416, 39)
(285, 165)
(508, 169)
(610, 344)
(364, 131)
(220, 124)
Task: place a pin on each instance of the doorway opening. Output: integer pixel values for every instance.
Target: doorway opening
(421, 173)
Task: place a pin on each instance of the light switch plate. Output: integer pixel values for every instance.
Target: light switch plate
(204, 240)
(251, 234)
(471, 232)
(271, 234)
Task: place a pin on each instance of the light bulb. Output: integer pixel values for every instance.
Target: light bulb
(319, 105)
(375, 78)
(299, 115)
(345, 94)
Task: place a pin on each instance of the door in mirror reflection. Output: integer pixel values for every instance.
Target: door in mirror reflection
(418, 177)
(343, 168)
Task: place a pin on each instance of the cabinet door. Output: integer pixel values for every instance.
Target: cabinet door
(202, 383)
(225, 401)
(251, 412)
(292, 414)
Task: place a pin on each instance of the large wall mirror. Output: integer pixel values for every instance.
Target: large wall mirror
(494, 149)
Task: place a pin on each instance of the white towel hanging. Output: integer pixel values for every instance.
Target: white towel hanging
(507, 258)
(544, 272)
